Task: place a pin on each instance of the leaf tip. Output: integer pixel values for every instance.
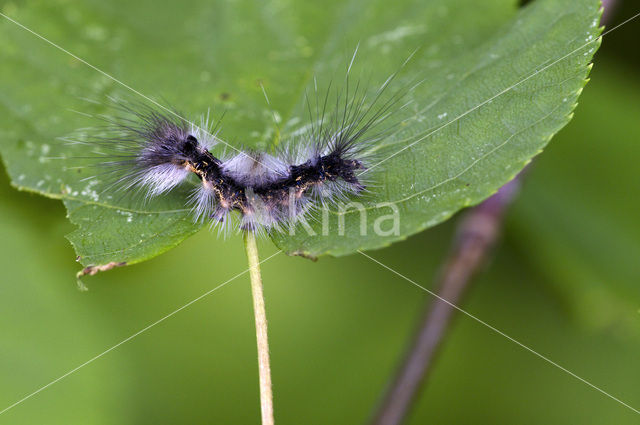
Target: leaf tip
(304, 254)
(93, 270)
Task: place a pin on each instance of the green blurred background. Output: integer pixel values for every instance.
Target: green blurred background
(564, 280)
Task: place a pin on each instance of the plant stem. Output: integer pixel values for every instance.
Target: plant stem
(476, 235)
(266, 395)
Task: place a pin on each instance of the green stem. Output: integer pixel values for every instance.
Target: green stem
(266, 395)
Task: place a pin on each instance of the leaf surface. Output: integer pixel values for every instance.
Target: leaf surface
(473, 123)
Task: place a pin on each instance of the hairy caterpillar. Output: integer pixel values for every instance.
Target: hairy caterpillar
(154, 151)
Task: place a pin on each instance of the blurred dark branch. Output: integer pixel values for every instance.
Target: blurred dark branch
(476, 234)
(609, 7)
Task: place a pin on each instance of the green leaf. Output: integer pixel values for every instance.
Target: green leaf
(217, 54)
(488, 111)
